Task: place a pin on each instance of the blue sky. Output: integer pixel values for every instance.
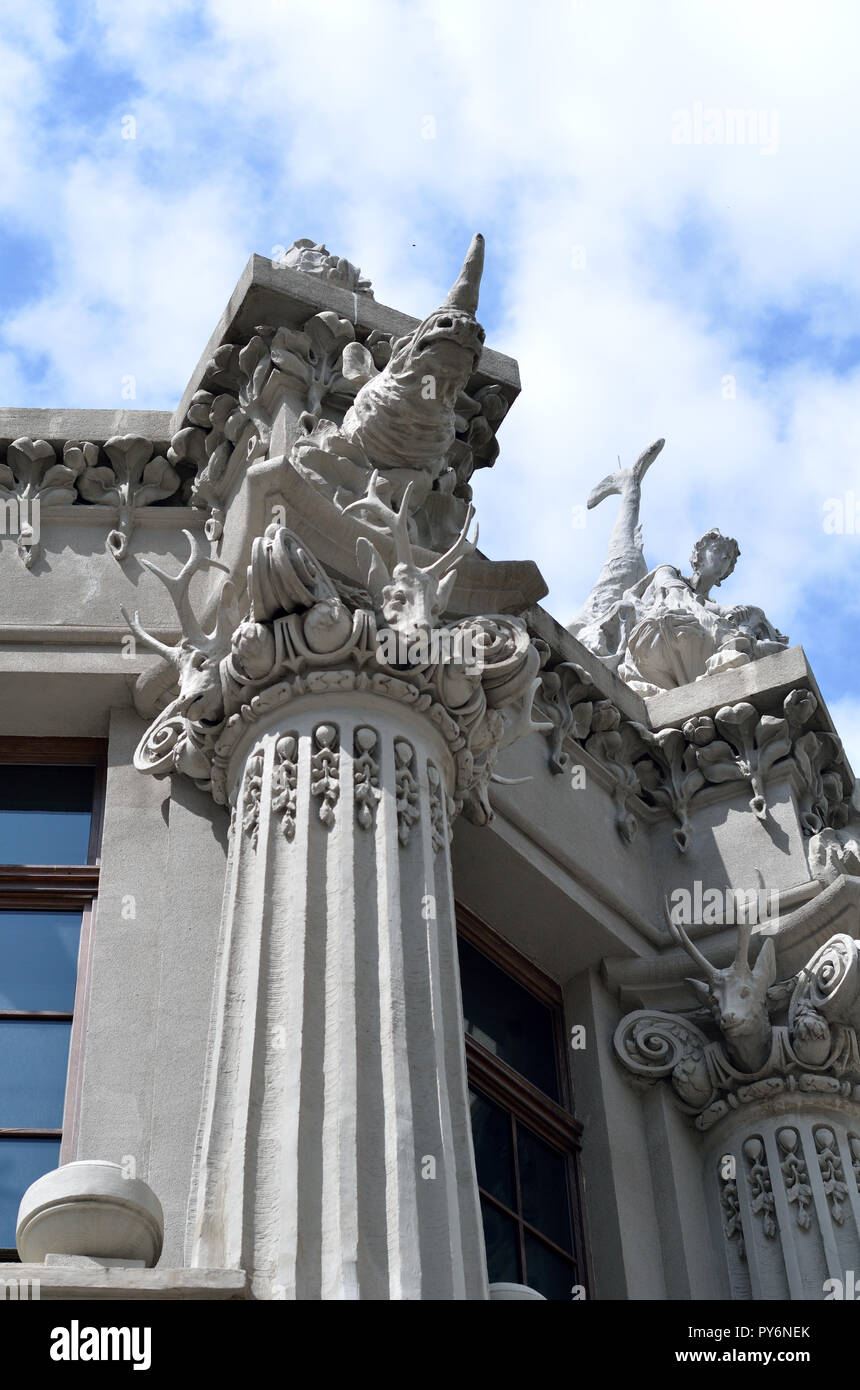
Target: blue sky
(706, 291)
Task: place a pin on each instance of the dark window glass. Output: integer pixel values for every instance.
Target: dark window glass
(548, 1272)
(34, 1057)
(45, 813)
(508, 1020)
(22, 1161)
(39, 960)
(491, 1132)
(500, 1238)
(543, 1186)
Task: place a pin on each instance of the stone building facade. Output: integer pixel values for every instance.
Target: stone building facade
(404, 944)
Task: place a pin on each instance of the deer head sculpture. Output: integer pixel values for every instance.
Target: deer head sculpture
(736, 996)
(409, 599)
(197, 655)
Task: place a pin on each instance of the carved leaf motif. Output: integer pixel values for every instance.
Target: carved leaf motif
(29, 459)
(366, 777)
(773, 741)
(134, 480)
(99, 485)
(717, 762)
(32, 475)
(799, 706)
(255, 364)
(406, 789)
(287, 344)
(737, 723)
(133, 476)
(329, 333)
(682, 776)
(357, 364)
(159, 482)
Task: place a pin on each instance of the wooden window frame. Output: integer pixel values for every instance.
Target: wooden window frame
(554, 1123)
(59, 888)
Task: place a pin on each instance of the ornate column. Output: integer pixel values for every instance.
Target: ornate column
(779, 1111)
(334, 1153)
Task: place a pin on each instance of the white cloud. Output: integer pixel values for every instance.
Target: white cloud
(271, 120)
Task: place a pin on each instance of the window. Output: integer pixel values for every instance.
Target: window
(525, 1135)
(51, 795)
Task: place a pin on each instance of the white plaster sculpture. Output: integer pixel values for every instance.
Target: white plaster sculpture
(659, 629)
(306, 632)
(346, 728)
(336, 1066)
(403, 422)
(313, 258)
(753, 1057)
(321, 366)
(778, 1106)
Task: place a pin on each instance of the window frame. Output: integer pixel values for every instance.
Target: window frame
(59, 888)
(553, 1122)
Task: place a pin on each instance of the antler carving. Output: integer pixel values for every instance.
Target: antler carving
(410, 597)
(737, 996)
(212, 644)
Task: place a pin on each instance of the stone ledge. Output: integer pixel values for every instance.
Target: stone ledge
(63, 1282)
(770, 676)
(58, 425)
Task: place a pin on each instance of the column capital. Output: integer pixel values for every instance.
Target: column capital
(308, 634)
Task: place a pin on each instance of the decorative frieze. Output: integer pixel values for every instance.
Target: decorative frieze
(786, 1207)
(732, 1224)
(670, 767)
(32, 480)
(440, 837)
(123, 474)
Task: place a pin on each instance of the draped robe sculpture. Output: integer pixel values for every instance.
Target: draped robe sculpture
(657, 628)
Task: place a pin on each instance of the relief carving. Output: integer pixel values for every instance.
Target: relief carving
(816, 1050)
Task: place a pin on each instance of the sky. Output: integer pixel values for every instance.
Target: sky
(669, 197)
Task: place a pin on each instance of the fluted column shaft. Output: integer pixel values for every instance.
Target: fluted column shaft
(334, 1156)
(784, 1185)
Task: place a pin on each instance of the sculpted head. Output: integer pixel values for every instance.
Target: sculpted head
(714, 557)
(447, 346)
